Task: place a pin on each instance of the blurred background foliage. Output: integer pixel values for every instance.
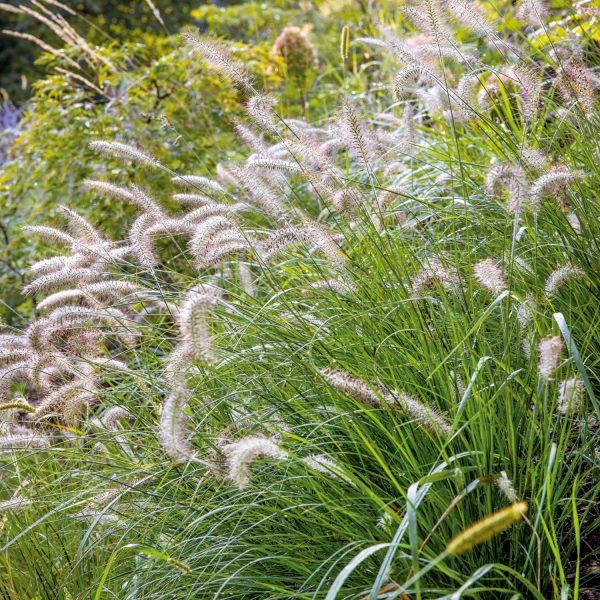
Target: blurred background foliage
(98, 20)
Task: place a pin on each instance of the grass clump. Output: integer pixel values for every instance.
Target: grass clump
(360, 362)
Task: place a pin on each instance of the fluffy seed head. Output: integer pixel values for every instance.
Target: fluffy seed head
(351, 386)
(193, 320)
(511, 177)
(490, 276)
(400, 49)
(429, 18)
(174, 431)
(529, 89)
(193, 199)
(57, 263)
(275, 165)
(200, 183)
(466, 95)
(420, 412)
(355, 388)
(549, 351)
(64, 277)
(117, 290)
(23, 440)
(575, 223)
(336, 285)
(146, 203)
(60, 299)
(260, 108)
(526, 310)
(575, 83)
(111, 416)
(321, 238)
(218, 57)
(141, 243)
(14, 504)
(533, 158)
(410, 73)
(571, 396)
(115, 191)
(205, 239)
(551, 183)
(561, 276)
(261, 193)
(355, 134)
(471, 15)
(82, 228)
(322, 463)
(506, 486)
(533, 12)
(124, 151)
(50, 234)
(241, 454)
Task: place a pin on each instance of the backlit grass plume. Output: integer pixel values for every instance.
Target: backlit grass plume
(218, 57)
(241, 454)
(415, 409)
(490, 276)
(549, 349)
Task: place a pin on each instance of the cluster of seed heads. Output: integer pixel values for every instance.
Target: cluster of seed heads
(92, 313)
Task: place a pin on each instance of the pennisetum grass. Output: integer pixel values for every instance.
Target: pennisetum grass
(326, 330)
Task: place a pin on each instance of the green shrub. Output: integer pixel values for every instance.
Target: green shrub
(98, 21)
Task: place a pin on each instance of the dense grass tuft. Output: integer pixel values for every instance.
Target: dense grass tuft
(362, 362)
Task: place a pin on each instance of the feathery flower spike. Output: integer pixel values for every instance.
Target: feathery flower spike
(197, 181)
(506, 486)
(409, 73)
(549, 350)
(533, 12)
(571, 396)
(472, 16)
(193, 320)
(174, 426)
(483, 530)
(124, 151)
(260, 108)
(351, 386)
(529, 89)
(551, 182)
(561, 276)
(50, 234)
(490, 276)
(23, 440)
(322, 463)
(217, 56)
(241, 454)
